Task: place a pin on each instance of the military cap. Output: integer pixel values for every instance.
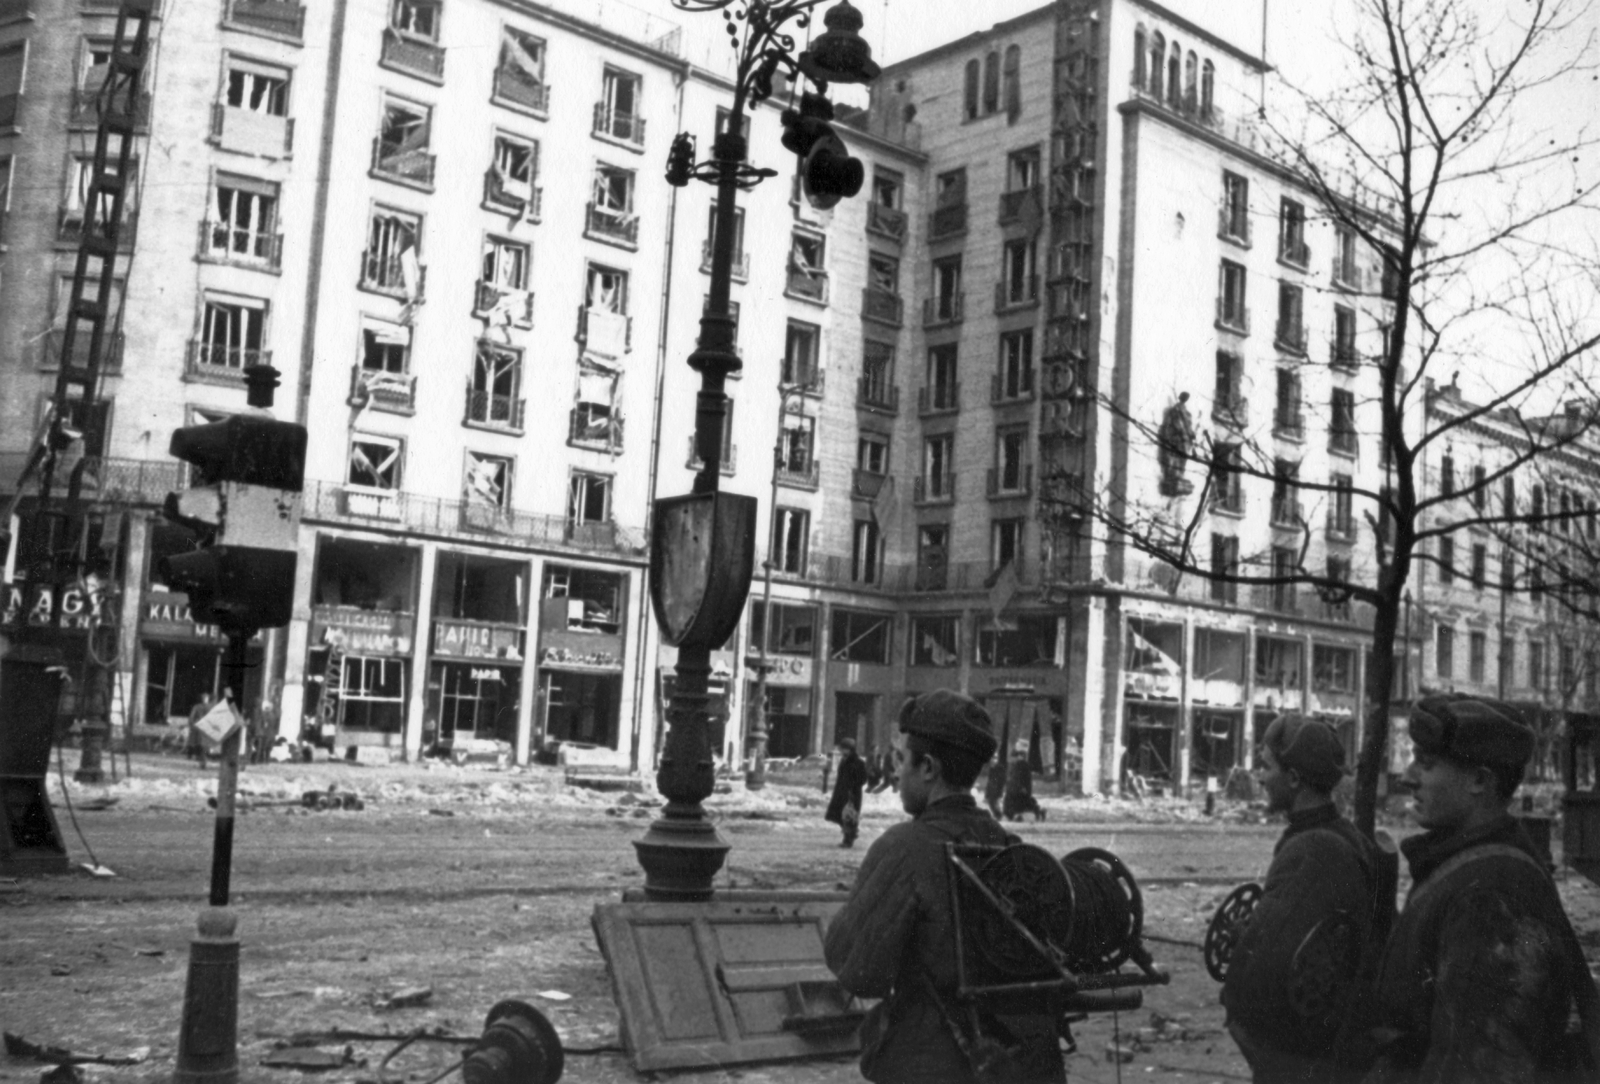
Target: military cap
(1309, 747)
(1471, 730)
(949, 718)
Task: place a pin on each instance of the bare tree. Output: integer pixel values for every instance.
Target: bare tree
(1439, 164)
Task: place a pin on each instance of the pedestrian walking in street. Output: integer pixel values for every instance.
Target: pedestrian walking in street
(994, 787)
(1326, 879)
(886, 772)
(844, 809)
(1483, 970)
(895, 937)
(1019, 797)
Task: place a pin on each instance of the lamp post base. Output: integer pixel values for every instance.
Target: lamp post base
(680, 854)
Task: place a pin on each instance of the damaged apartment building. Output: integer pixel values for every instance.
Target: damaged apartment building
(445, 223)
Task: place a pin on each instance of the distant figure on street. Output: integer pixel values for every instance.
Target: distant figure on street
(851, 779)
(994, 788)
(1019, 797)
(1324, 874)
(1483, 970)
(874, 770)
(886, 771)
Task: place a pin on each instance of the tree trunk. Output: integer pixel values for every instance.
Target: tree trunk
(1375, 731)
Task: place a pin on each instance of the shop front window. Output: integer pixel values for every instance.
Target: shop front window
(1026, 640)
(581, 708)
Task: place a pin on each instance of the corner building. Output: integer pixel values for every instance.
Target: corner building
(445, 224)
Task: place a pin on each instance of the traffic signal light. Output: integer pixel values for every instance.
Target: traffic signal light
(828, 173)
(245, 512)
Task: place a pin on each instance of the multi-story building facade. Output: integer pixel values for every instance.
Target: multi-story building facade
(1500, 606)
(481, 292)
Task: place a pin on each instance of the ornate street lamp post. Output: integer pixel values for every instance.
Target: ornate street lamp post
(703, 544)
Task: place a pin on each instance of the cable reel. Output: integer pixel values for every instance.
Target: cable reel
(1108, 911)
(1227, 925)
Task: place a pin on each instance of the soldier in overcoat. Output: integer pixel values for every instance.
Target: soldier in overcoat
(1483, 972)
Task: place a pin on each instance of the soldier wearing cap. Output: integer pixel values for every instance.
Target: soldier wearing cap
(1325, 877)
(895, 937)
(1482, 968)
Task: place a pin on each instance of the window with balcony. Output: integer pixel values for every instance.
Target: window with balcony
(940, 390)
(872, 454)
(617, 113)
(112, 342)
(949, 204)
(519, 76)
(945, 305)
(1287, 418)
(878, 389)
(1015, 378)
(1011, 473)
(253, 116)
(791, 533)
(1444, 651)
(400, 152)
(244, 223)
(1343, 353)
(800, 354)
(375, 462)
(1286, 494)
(1227, 477)
(411, 41)
(486, 489)
(1346, 271)
(232, 336)
(881, 299)
(1342, 436)
(1228, 405)
(389, 264)
(796, 441)
(383, 377)
(886, 212)
(94, 64)
(1233, 220)
(74, 208)
(13, 58)
(513, 174)
(588, 500)
(1022, 169)
(1285, 565)
(1341, 508)
(1019, 281)
(728, 451)
(933, 562)
(605, 314)
(866, 552)
(503, 295)
(935, 641)
(808, 269)
(494, 392)
(1292, 247)
(1231, 310)
(611, 215)
(1224, 563)
(740, 268)
(1290, 334)
(938, 468)
(596, 420)
(1005, 543)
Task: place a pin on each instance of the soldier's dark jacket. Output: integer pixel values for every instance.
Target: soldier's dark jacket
(1321, 865)
(1478, 973)
(897, 932)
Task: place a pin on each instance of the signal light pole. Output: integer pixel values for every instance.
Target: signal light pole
(245, 511)
(702, 549)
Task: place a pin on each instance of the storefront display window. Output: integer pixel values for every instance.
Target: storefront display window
(861, 637)
(1025, 640)
(474, 701)
(788, 722)
(592, 599)
(935, 641)
(581, 707)
(479, 588)
(373, 695)
(794, 629)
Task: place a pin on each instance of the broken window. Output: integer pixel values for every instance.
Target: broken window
(790, 531)
(594, 599)
(515, 166)
(860, 637)
(390, 262)
(619, 107)
(493, 396)
(374, 462)
(403, 141)
(589, 498)
(935, 641)
(595, 416)
(505, 264)
(486, 481)
(795, 441)
(385, 346)
(520, 75)
(257, 88)
(807, 270)
(245, 219)
(231, 332)
(800, 354)
(415, 19)
(80, 174)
